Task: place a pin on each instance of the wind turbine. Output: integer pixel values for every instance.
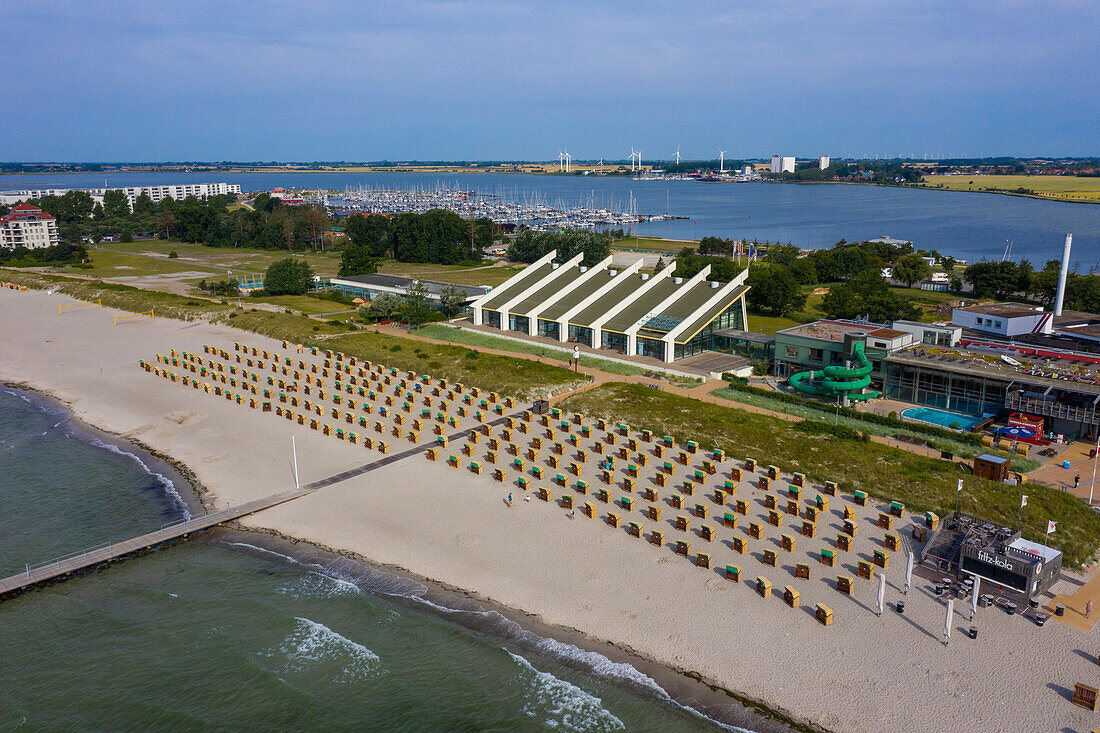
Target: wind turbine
(568, 160)
(722, 160)
(640, 158)
(677, 155)
(633, 153)
(601, 166)
(561, 161)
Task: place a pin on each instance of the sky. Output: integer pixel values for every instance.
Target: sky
(505, 80)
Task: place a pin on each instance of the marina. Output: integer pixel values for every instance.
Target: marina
(530, 208)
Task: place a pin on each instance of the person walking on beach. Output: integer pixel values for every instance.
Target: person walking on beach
(1076, 481)
(1088, 610)
(572, 513)
(509, 499)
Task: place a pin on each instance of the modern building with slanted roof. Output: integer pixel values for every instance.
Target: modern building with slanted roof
(661, 316)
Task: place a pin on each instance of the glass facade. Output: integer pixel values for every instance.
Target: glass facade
(580, 334)
(706, 340)
(654, 348)
(613, 341)
(549, 329)
(491, 318)
(971, 395)
(519, 323)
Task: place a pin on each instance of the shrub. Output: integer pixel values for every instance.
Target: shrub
(172, 255)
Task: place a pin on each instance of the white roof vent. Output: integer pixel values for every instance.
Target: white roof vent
(714, 285)
(645, 275)
(678, 280)
(584, 269)
(555, 265)
(613, 273)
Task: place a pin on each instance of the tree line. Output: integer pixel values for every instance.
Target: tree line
(437, 236)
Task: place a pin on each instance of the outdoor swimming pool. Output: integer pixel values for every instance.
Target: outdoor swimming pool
(943, 418)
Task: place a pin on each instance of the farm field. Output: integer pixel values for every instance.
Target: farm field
(1062, 188)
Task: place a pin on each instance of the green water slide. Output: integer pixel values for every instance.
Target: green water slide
(837, 381)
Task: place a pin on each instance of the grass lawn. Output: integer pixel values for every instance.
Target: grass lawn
(115, 264)
(475, 339)
(653, 243)
(220, 259)
(952, 446)
(518, 378)
(303, 303)
(887, 473)
(488, 274)
(1065, 188)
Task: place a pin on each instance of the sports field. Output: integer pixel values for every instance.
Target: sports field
(1062, 188)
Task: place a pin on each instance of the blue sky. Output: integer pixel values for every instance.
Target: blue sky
(316, 80)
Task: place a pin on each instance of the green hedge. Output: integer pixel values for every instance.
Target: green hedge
(891, 422)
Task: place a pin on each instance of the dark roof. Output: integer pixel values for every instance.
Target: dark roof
(395, 281)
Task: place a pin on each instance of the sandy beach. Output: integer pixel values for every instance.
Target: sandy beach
(449, 525)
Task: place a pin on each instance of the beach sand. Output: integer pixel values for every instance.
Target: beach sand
(862, 673)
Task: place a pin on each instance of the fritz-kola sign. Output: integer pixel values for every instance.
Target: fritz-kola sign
(994, 560)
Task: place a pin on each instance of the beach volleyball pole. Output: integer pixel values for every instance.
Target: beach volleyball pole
(947, 621)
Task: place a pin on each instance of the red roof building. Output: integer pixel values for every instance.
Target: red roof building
(28, 226)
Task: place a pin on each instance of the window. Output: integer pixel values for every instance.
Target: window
(816, 354)
(791, 352)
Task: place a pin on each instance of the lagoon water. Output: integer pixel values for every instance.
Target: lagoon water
(969, 226)
(219, 633)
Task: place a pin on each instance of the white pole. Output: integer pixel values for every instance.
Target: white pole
(294, 454)
(881, 592)
(1095, 455)
(947, 621)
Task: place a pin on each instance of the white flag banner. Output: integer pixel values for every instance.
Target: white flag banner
(1023, 501)
(960, 486)
(1050, 526)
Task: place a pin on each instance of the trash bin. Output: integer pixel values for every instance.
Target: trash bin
(900, 606)
(1060, 610)
(1033, 602)
(1011, 609)
(973, 632)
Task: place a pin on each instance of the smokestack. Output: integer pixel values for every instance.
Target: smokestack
(1062, 275)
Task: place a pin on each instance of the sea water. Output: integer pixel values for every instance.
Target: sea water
(962, 224)
(223, 633)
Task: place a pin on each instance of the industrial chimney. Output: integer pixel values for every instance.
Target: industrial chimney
(1062, 275)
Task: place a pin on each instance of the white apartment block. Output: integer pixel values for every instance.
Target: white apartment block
(157, 193)
(782, 164)
(823, 162)
(28, 226)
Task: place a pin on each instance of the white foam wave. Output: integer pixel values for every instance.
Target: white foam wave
(264, 550)
(600, 665)
(318, 585)
(313, 644)
(557, 703)
(169, 487)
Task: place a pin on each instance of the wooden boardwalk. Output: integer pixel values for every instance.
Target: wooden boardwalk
(61, 567)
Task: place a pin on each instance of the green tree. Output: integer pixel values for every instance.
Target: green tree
(867, 295)
(289, 276)
(115, 204)
(451, 299)
(774, 291)
(417, 308)
(358, 260)
(912, 268)
(381, 308)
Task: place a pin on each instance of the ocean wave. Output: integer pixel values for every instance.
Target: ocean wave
(489, 622)
(312, 645)
(318, 585)
(557, 703)
(164, 481)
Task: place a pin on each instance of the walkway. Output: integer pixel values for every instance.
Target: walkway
(61, 567)
(64, 566)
